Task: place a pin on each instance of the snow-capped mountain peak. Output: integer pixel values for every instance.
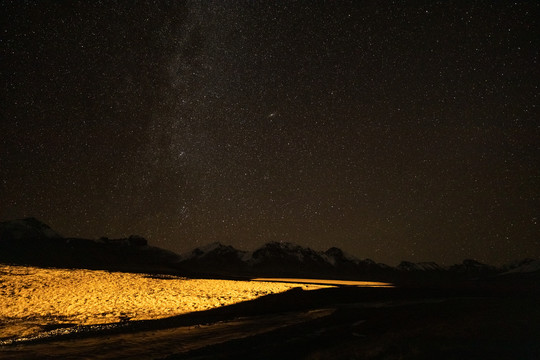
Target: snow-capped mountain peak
(421, 266)
(525, 266)
(213, 249)
(27, 228)
(335, 255)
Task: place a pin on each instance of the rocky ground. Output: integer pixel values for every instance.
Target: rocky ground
(492, 319)
(35, 300)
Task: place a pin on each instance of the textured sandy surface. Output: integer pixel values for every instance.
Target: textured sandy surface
(34, 299)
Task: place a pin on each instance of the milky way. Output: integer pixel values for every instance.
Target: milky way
(393, 130)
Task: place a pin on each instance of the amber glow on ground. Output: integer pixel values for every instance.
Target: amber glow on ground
(328, 282)
(32, 299)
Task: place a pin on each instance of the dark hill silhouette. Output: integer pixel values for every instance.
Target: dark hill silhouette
(31, 242)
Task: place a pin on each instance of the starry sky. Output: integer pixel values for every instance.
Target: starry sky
(395, 130)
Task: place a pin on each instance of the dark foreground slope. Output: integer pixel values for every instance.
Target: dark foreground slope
(431, 329)
(475, 321)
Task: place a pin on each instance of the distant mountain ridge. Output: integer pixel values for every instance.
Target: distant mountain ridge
(283, 259)
(275, 259)
(523, 266)
(31, 242)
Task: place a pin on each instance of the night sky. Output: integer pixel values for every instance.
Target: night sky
(402, 130)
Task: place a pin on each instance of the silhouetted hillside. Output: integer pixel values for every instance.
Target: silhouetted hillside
(30, 242)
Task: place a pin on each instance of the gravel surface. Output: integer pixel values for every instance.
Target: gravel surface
(34, 300)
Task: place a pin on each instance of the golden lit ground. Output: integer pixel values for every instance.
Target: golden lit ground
(32, 299)
(370, 284)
